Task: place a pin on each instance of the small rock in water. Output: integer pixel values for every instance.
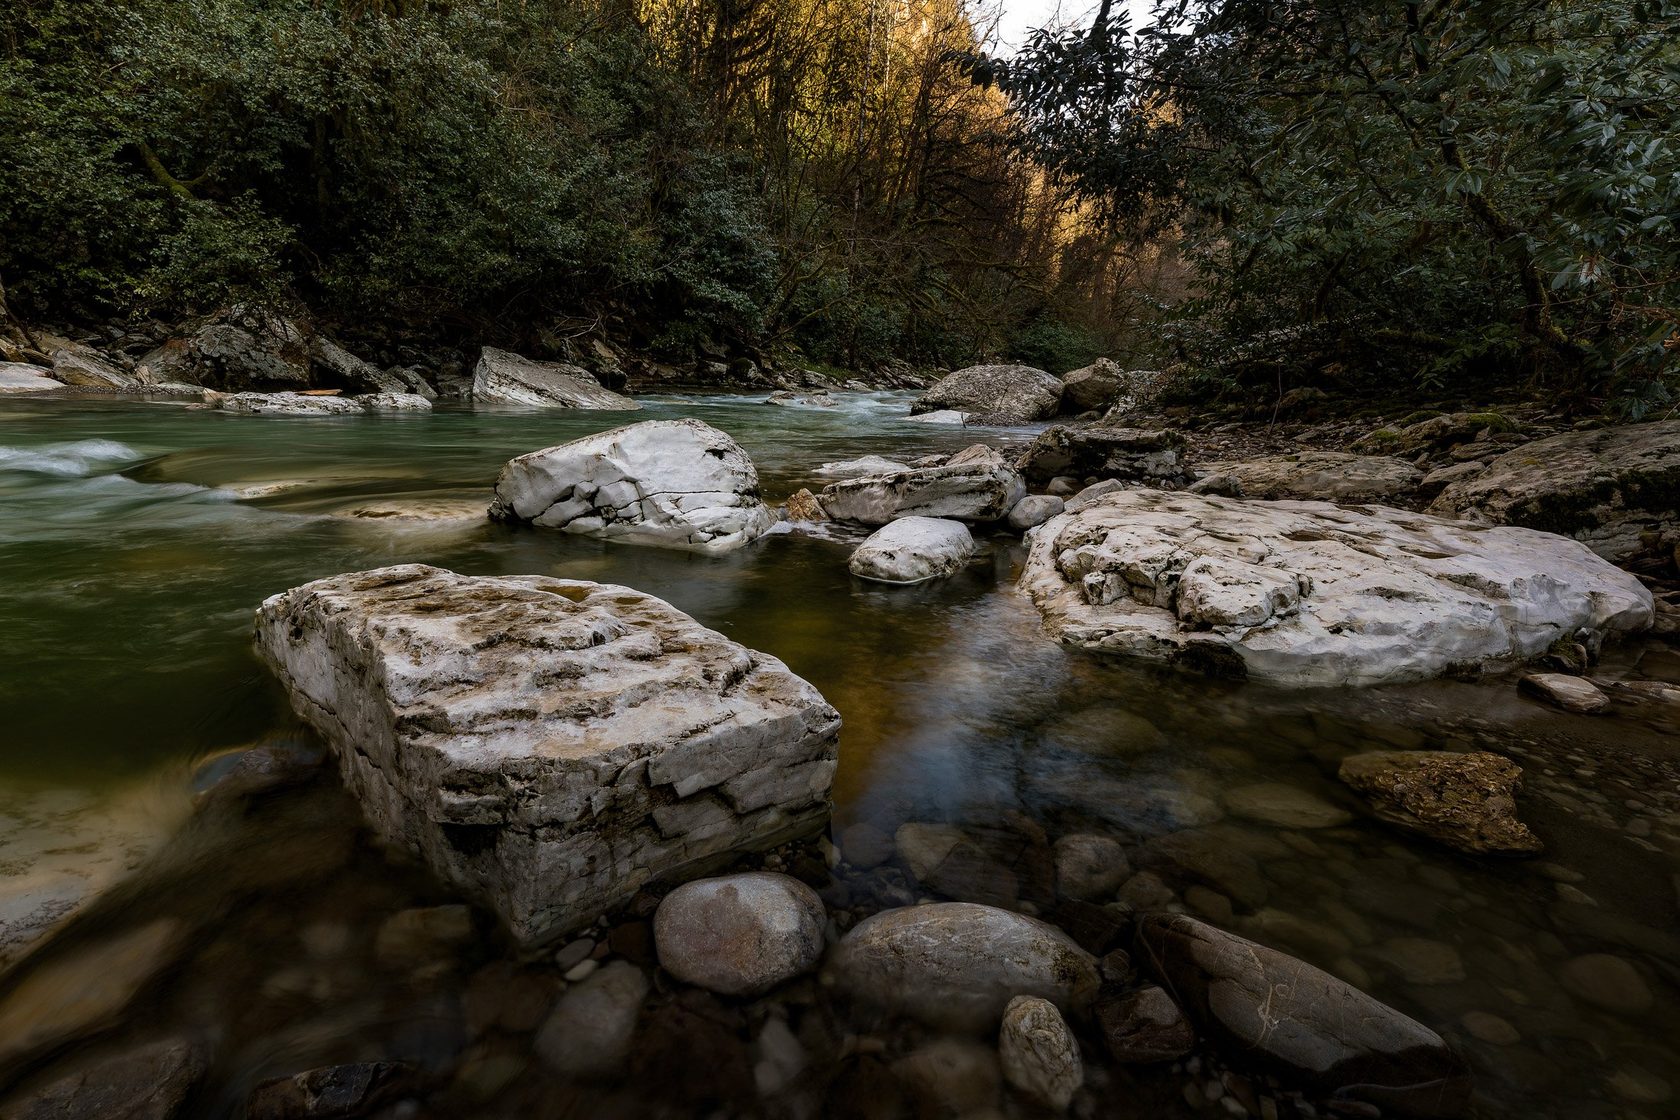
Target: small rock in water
(1488, 1027)
(589, 1033)
(958, 964)
(1466, 801)
(1145, 891)
(1062, 487)
(1145, 1026)
(922, 847)
(1032, 511)
(740, 934)
(913, 550)
(1039, 1054)
(951, 1077)
(425, 933)
(1572, 694)
(331, 1092)
(1090, 866)
(802, 505)
(574, 953)
(1609, 982)
(864, 846)
(1419, 960)
(1284, 806)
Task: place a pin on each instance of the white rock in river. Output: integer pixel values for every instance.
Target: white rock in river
(1003, 394)
(913, 549)
(549, 746)
(17, 377)
(1039, 1054)
(739, 934)
(977, 484)
(503, 378)
(302, 404)
(861, 466)
(943, 416)
(958, 964)
(1034, 510)
(671, 483)
(1312, 593)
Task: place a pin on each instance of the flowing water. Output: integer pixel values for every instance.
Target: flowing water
(137, 538)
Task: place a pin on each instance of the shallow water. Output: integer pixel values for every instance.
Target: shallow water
(136, 540)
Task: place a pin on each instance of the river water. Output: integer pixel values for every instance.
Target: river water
(137, 538)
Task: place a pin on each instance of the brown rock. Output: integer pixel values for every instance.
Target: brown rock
(802, 505)
(1145, 1026)
(1466, 801)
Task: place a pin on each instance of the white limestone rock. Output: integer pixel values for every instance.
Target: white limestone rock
(1003, 394)
(549, 746)
(504, 378)
(912, 550)
(669, 483)
(1314, 594)
(19, 377)
(975, 485)
(739, 934)
(861, 467)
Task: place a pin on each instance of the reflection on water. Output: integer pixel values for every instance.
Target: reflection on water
(136, 541)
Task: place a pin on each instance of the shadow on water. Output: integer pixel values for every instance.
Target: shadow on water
(135, 543)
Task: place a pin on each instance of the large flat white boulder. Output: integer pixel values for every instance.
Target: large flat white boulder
(671, 483)
(977, 484)
(913, 549)
(549, 746)
(505, 378)
(1003, 394)
(1313, 593)
(19, 377)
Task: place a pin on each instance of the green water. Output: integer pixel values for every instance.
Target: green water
(130, 565)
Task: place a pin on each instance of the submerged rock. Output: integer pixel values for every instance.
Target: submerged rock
(1003, 394)
(976, 485)
(1039, 1055)
(958, 964)
(1128, 454)
(151, 1082)
(1334, 476)
(1315, 594)
(670, 483)
(1572, 694)
(330, 1093)
(1466, 801)
(913, 550)
(590, 1031)
(504, 378)
(1145, 1026)
(549, 746)
(1616, 489)
(740, 935)
(1283, 1017)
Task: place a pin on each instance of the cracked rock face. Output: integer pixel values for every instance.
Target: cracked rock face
(549, 746)
(1288, 1019)
(508, 379)
(1101, 451)
(1314, 594)
(670, 483)
(975, 485)
(1616, 489)
(1466, 801)
(1003, 394)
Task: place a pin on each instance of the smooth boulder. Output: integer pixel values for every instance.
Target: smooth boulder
(549, 746)
(669, 483)
(1616, 489)
(739, 935)
(1310, 593)
(999, 394)
(975, 485)
(1033, 510)
(1467, 801)
(1283, 1017)
(1155, 457)
(511, 380)
(958, 964)
(590, 1031)
(913, 550)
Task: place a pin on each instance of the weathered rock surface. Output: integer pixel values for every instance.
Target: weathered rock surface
(18, 377)
(1466, 801)
(957, 964)
(590, 1031)
(669, 483)
(740, 935)
(1311, 593)
(1039, 1055)
(151, 1082)
(802, 505)
(1090, 866)
(248, 349)
(1615, 489)
(1572, 694)
(300, 404)
(1128, 454)
(503, 378)
(976, 485)
(330, 1092)
(1002, 394)
(949, 416)
(84, 368)
(1283, 1017)
(1034, 510)
(1145, 1026)
(912, 550)
(549, 746)
(1096, 387)
(861, 467)
(1330, 476)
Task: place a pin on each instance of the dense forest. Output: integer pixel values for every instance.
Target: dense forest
(1348, 195)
